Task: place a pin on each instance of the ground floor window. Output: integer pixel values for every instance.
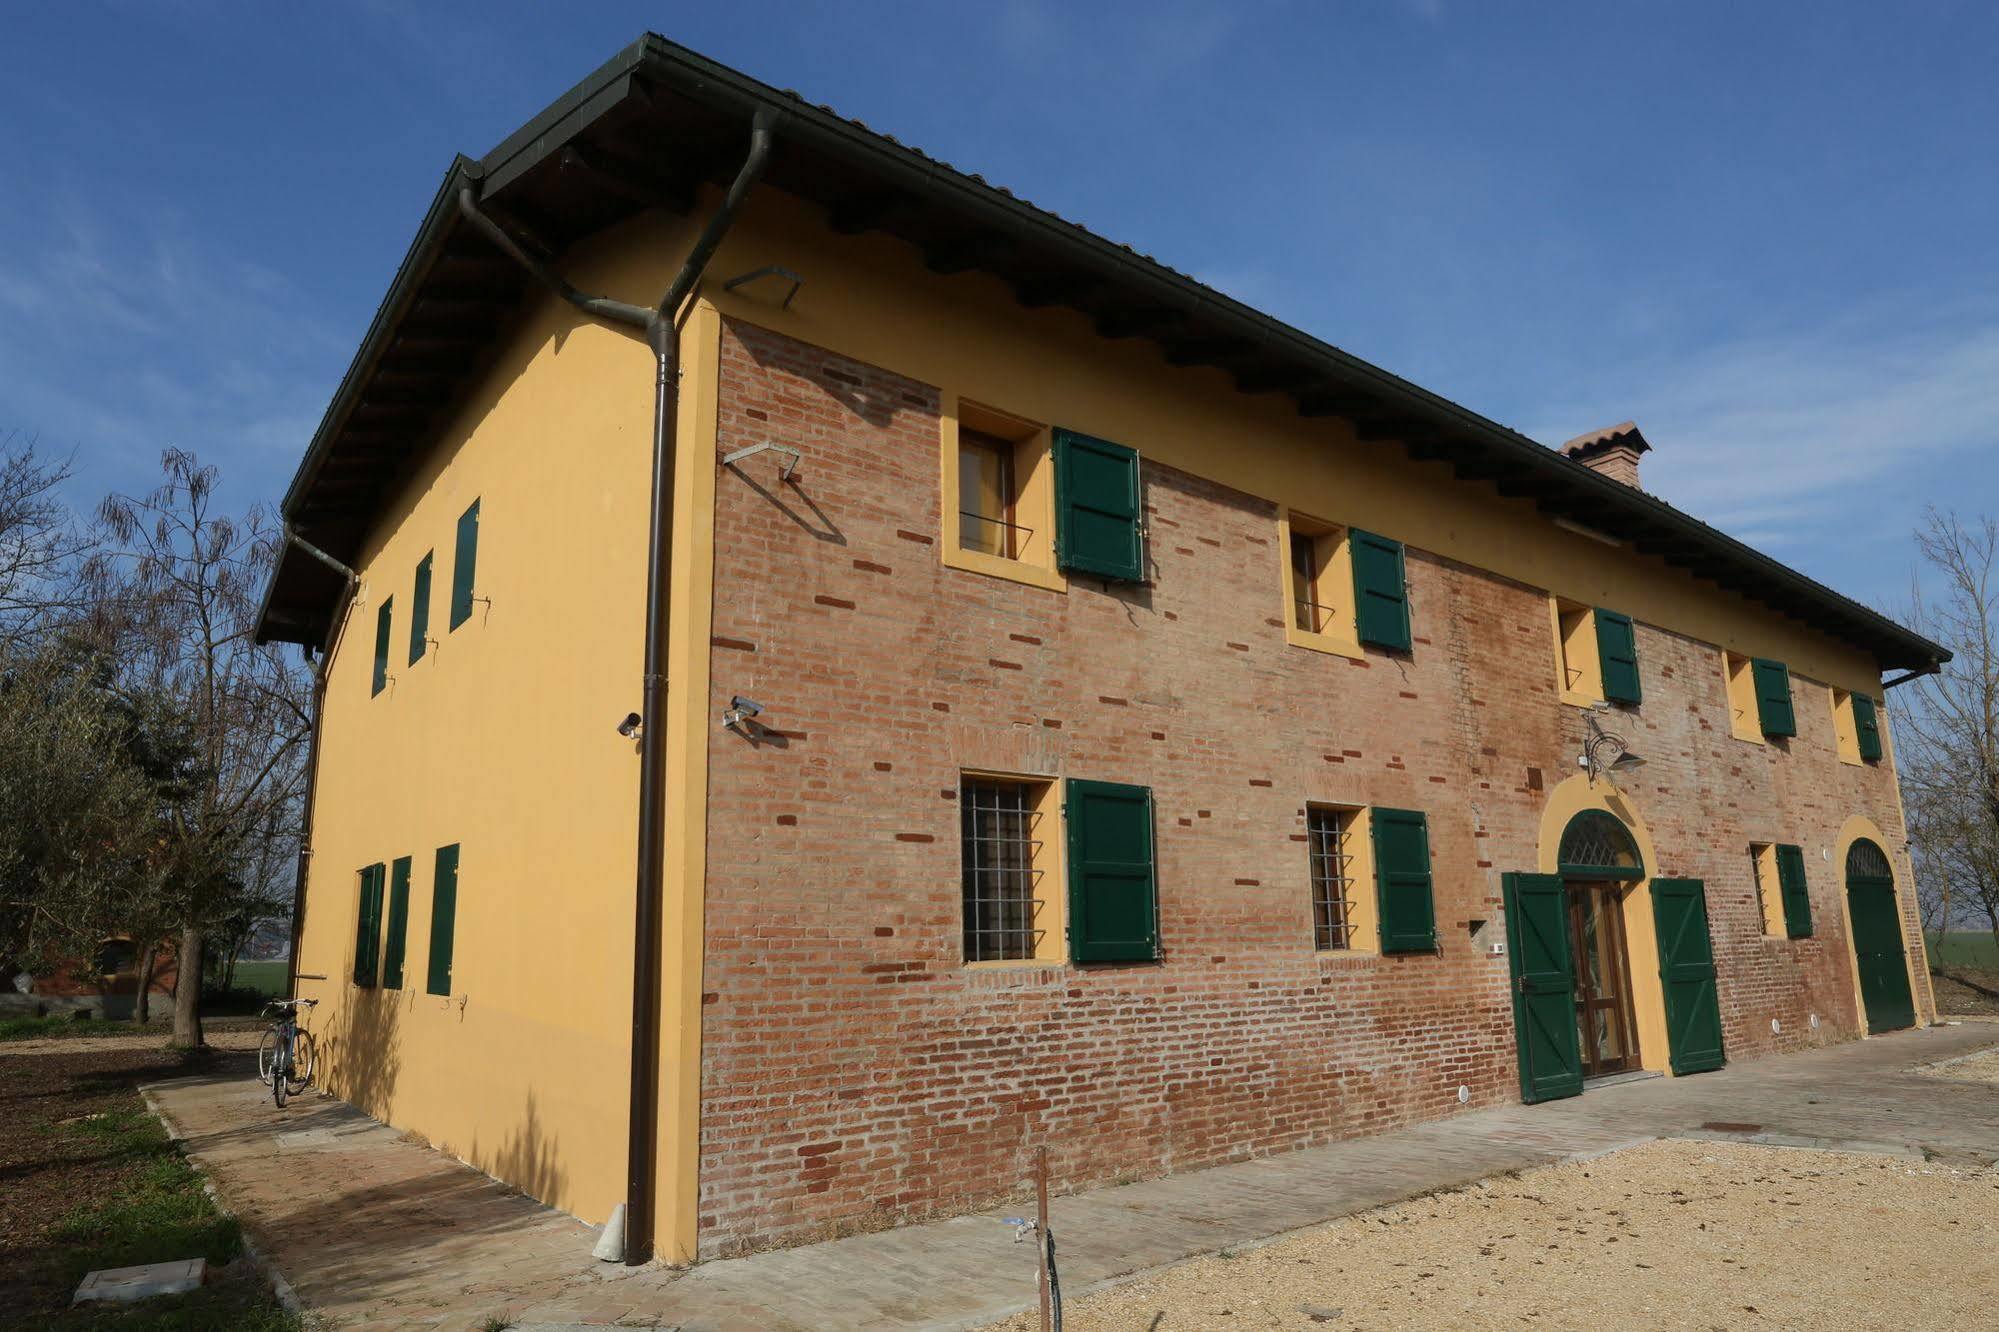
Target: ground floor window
(1002, 846)
(1328, 834)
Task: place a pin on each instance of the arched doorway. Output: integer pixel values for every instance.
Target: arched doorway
(1612, 966)
(1876, 923)
(1600, 864)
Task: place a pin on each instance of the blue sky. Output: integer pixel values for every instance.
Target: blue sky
(1766, 232)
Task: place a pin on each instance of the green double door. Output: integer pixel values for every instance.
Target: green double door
(1877, 951)
(1539, 939)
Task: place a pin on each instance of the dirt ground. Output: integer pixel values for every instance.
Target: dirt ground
(1964, 992)
(87, 1178)
(1980, 1067)
(1670, 1235)
(218, 1033)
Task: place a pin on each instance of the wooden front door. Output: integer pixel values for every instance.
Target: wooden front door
(1544, 1015)
(1606, 1031)
(1877, 951)
(1686, 971)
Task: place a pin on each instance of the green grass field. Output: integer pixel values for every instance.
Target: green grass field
(1965, 948)
(264, 977)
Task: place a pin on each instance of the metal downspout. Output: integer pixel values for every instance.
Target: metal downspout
(662, 328)
(312, 747)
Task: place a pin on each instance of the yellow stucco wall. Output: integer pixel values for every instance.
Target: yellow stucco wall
(501, 739)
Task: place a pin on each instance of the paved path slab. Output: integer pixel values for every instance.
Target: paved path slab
(375, 1232)
(143, 1282)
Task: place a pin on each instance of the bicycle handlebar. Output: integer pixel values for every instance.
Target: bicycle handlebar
(282, 1004)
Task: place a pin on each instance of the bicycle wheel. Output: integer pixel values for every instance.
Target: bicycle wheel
(278, 1087)
(304, 1060)
(267, 1052)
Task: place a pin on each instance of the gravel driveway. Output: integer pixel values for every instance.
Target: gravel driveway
(1674, 1234)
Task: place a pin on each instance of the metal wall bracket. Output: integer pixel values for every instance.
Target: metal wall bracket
(792, 456)
(768, 270)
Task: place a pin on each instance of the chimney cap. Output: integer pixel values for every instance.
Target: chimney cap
(1624, 434)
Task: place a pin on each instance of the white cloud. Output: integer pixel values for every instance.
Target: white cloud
(1774, 438)
(121, 341)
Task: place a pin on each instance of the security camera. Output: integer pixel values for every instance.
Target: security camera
(629, 727)
(740, 711)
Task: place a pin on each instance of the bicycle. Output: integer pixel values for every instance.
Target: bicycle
(286, 1056)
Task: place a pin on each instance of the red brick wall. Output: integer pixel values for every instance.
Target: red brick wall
(856, 1073)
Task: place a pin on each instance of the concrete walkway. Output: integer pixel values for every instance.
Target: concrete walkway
(374, 1232)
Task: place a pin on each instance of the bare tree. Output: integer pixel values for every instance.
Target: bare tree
(39, 542)
(180, 580)
(1947, 726)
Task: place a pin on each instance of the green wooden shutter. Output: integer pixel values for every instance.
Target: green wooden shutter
(1097, 508)
(399, 921)
(420, 610)
(368, 926)
(1403, 886)
(384, 618)
(1617, 653)
(465, 565)
(1686, 970)
(1380, 594)
(1866, 728)
(1544, 986)
(443, 918)
(1113, 904)
(1773, 697)
(1796, 894)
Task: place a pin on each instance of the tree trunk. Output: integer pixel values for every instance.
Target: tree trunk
(187, 991)
(142, 1011)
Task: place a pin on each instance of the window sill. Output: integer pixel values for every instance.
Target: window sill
(1014, 571)
(1346, 954)
(1327, 643)
(1017, 964)
(1578, 700)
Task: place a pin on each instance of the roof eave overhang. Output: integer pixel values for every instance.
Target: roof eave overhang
(686, 115)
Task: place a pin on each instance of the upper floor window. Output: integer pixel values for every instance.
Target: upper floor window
(1318, 585)
(465, 566)
(384, 621)
(1342, 587)
(1596, 654)
(999, 496)
(1856, 727)
(988, 496)
(1581, 679)
(420, 609)
(1759, 697)
(1033, 503)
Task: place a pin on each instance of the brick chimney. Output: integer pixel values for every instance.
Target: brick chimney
(1613, 451)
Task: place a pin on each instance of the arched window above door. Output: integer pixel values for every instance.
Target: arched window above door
(1596, 844)
(1866, 860)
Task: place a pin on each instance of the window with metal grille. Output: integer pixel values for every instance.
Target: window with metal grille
(1326, 843)
(1001, 880)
